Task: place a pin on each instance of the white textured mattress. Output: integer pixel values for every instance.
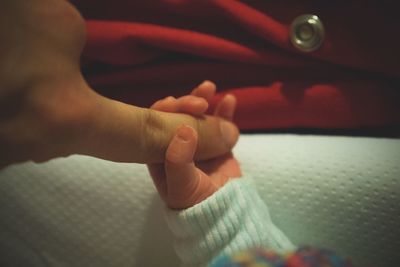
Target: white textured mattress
(337, 192)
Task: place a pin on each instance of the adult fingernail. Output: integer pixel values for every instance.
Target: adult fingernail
(229, 132)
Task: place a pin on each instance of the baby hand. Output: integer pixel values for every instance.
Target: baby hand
(180, 181)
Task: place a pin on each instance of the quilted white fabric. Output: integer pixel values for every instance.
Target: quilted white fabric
(336, 192)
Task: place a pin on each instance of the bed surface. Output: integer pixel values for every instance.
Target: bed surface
(336, 192)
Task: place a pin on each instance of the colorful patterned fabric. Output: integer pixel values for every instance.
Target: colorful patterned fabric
(303, 257)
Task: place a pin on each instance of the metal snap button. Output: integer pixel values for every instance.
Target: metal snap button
(307, 33)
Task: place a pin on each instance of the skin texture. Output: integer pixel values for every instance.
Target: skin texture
(48, 110)
(181, 181)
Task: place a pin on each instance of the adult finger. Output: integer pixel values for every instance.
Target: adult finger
(121, 132)
(186, 185)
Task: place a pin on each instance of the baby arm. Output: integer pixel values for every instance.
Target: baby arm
(212, 212)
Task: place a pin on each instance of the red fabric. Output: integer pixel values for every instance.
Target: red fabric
(140, 51)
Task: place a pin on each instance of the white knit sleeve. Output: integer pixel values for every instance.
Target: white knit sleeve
(233, 219)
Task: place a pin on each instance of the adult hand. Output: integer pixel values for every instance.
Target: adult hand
(180, 181)
(47, 109)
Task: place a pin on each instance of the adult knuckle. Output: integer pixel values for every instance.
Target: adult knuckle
(61, 115)
(153, 134)
(200, 128)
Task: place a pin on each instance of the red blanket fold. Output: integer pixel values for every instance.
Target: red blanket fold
(140, 51)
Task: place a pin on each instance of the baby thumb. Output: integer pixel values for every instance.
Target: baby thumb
(181, 173)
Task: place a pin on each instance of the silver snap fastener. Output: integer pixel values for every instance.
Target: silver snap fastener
(307, 33)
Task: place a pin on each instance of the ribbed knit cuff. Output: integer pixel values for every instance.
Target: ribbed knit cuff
(233, 219)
